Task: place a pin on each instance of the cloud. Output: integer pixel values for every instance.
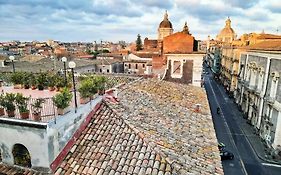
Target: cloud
(242, 3)
(272, 5)
(89, 20)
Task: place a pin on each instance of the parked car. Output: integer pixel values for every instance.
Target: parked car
(226, 155)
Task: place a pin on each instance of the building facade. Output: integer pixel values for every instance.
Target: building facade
(183, 60)
(259, 94)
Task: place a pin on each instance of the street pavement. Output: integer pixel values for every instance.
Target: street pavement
(238, 136)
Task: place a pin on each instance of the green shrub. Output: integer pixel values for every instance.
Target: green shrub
(86, 88)
(62, 99)
(8, 102)
(17, 77)
(21, 102)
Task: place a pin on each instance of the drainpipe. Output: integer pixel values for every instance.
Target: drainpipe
(264, 91)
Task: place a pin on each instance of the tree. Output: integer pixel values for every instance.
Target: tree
(139, 43)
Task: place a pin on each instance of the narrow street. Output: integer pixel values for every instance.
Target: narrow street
(229, 131)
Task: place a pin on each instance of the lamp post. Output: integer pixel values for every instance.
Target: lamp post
(72, 65)
(54, 59)
(64, 60)
(12, 58)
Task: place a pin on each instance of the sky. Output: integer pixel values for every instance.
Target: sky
(115, 20)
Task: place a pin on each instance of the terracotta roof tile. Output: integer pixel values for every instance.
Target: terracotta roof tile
(9, 170)
(115, 148)
(164, 114)
(268, 45)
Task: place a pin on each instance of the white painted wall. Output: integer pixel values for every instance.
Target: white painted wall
(197, 65)
(44, 145)
(34, 139)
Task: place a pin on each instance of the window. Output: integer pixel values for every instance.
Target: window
(129, 66)
(274, 83)
(21, 156)
(177, 67)
(143, 65)
(107, 70)
(136, 66)
(100, 70)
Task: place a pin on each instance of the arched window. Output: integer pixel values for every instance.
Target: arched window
(21, 156)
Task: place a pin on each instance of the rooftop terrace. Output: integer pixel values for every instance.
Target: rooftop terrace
(157, 127)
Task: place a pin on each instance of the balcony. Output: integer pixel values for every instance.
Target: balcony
(255, 107)
(252, 88)
(268, 122)
(258, 91)
(270, 100)
(246, 83)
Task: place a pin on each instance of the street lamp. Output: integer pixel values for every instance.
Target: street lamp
(12, 58)
(72, 65)
(64, 60)
(54, 59)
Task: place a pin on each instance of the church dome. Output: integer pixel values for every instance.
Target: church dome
(227, 30)
(165, 23)
(227, 34)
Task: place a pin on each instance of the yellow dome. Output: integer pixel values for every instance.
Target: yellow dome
(227, 30)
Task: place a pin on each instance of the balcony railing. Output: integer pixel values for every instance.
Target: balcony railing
(252, 88)
(270, 100)
(255, 107)
(258, 91)
(48, 110)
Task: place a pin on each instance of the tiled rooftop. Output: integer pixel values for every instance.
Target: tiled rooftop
(109, 146)
(154, 129)
(15, 170)
(164, 113)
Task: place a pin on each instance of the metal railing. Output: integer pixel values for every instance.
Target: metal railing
(47, 111)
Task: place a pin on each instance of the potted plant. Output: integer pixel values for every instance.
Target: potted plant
(33, 81)
(62, 100)
(2, 110)
(99, 82)
(9, 105)
(42, 80)
(17, 79)
(26, 80)
(52, 78)
(85, 90)
(60, 82)
(36, 108)
(22, 102)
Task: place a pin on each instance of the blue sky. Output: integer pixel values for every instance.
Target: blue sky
(114, 20)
